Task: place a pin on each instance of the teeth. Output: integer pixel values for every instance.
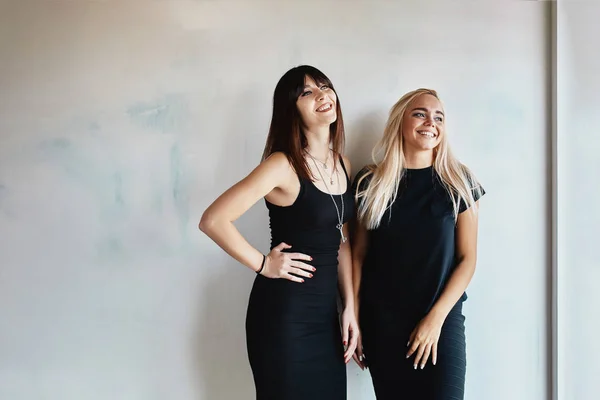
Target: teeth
(324, 107)
(428, 134)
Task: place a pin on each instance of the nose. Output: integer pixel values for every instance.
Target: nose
(321, 95)
(430, 121)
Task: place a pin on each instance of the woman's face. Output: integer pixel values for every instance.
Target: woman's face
(316, 104)
(423, 123)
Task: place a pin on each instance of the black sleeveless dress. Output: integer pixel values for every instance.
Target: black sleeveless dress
(293, 334)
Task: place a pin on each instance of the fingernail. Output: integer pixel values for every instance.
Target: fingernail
(415, 366)
(422, 366)
(310, 275)
(345, 342)
(311, 259)
(301, 280)
(314, 269)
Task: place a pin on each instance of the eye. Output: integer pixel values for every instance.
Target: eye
(305, 93)
(440, 119)
(325, 87)
(419, 114)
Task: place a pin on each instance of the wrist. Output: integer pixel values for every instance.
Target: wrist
(350, 305)
(263, 265)
(438, 315)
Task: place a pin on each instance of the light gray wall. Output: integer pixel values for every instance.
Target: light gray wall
(120, 121)
(578, 199)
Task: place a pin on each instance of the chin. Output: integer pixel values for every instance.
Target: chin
(330, 120)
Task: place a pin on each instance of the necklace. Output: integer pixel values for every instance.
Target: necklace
(339, 226)
(322, 162)
(324, 167)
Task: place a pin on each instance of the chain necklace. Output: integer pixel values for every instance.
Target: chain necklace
(324, 167)
(322, 162)
(339, 226)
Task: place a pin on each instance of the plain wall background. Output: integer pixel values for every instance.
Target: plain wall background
(120, 121)
(578, 192)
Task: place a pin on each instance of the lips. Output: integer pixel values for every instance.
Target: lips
(325, 107)
(428, 134)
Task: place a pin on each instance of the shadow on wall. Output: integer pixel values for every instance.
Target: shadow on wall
(365, 134)
(219, 343)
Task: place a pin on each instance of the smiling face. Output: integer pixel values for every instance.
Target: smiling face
(316, 104)
(423, 123)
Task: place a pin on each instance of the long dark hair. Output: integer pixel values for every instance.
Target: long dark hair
(285, 131)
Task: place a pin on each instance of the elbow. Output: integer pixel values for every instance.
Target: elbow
(468, 263)
(206, 222)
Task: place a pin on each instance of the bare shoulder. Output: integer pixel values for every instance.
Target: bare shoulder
(278, 167)
(277, 163)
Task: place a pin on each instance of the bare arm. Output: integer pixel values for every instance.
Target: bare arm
(424, 338)
(217, 220)
(345, 261)
(466, 252)
(350, 330)
(359, 250)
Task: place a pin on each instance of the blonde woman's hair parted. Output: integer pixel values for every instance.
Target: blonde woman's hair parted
(385, 175)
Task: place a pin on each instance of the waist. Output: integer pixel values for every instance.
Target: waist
(322, 254)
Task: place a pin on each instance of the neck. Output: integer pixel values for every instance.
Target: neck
(418, 159)
(318, 141)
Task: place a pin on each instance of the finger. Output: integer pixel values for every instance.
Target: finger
(300, 264)
(282, 246)
(352, 345)
(359, 347)
(425, 356)
(300, 256)
(434, 353)
(419, 354)
(411, 338)
(414, 345)
(293, 278)
(358, 360)
(349, 350)
(345, 337)
(298, 271)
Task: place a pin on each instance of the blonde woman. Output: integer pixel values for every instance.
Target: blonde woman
(414, 253)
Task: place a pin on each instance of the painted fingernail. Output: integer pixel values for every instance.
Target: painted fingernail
(415, 366)
(301, 280)
(345, 343)
(314, 269)
(310, 275)
(422, 366)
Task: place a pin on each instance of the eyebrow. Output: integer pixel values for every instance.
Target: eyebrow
(426, 110)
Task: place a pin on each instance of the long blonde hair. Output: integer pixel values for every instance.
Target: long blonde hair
(385, 175)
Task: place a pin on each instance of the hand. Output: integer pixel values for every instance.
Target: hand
(350, 333)
(424, 340)
(358, 355)
(281, 265)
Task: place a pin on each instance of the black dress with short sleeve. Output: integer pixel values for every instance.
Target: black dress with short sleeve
(409, 260)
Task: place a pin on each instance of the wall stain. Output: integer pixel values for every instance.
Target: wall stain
(165, 115)
(180, 197)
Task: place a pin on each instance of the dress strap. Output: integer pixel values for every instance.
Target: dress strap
(344, 167)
